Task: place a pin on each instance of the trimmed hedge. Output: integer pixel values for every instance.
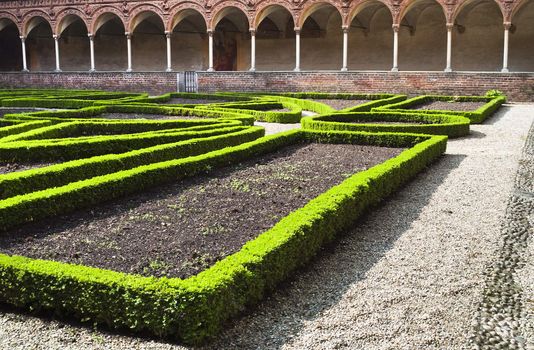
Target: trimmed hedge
(195, 308)
(476, 117)
(28, 181)
(12, 127)
(433, 124)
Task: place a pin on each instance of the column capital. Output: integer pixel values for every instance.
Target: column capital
(22, 38)
(56, 36)
(507, 25)
(395, 27)
(252, 31)
(297, 30)
(128, 35)
(210, 32)
(91, 36)
(345, 29)
(168, 34)
(449, 26)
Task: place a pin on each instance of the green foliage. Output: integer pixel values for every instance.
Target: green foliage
(494, 93)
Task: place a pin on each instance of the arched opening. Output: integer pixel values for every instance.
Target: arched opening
(423, 37)
(231, 41)
(371, 37)
(189, 41)
(522, 39)
(477, 37)
(275, 39)
(74, 44)
(148, 42)
(322, 39)
(40, 45)
(110, 43)
(10, 46)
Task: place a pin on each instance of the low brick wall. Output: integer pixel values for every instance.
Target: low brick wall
(152, 82)
(518, 86)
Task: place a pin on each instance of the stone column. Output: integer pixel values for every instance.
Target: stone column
(448, 68)
(297, 50)
(168, 35)
(92, 51)
(395, 48)
(252, 50)
(24, 59)
(345, 29)
(129, 49)
(210, 51)
(56, 46)
(507, 26)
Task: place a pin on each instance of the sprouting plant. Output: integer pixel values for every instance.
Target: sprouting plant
(239, 185)
(213, 229)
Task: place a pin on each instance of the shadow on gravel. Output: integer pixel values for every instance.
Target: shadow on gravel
(497, 116)
(323, 283)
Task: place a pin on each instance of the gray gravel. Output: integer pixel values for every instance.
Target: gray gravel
(408, 276)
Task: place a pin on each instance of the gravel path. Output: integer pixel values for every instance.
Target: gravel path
(409, 276)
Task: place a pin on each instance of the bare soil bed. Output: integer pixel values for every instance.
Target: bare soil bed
(450, 106)
(143, 116)
(183, 228)
(285, 110)
(4, 111)
(6, 168)
(386, 122)
(338, 104)
(193, 101)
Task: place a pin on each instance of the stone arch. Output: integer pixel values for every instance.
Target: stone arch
(411, 5)
(266, 8)
(7, 19)
(68, 16)
(10, 44)
(104, 14)
(223, 9)
(522, 38)
(181, 12)
(461, 6)
(141, 13)
(516, 7)
(312, 7)
(33, 19)
(358, 7)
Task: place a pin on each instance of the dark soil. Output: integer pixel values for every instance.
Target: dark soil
(6, 168)
(183, 228)
(386, 122)
(193, 101)
(279, 110)
(450, 106)
(143, 116)
(339, 104)
(4, 111)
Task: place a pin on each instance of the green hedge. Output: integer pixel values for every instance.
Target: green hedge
(492, 104)
(28, 181)
(293, 116)
(195, 308)
(434, 124)
(12, 127)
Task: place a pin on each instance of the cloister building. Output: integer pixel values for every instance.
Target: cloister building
(444, 36)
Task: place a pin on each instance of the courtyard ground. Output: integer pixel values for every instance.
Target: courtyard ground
(411, 275)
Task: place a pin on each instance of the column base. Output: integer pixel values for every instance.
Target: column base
(92, 70)
(25, 71)
(129, 70)
(344, 69)
(168, 70)
(448, 70)
(296, 69)
(211, 70)
(394, 69)
(57, 70)
(505, 70)
(252, 70)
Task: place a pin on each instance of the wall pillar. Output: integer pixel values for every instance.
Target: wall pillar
(56, 47)
(297, 50)
(129, 49)
(210, 51)
(252, 50)
(24, 59)
(395, 48)
(507, 26)
(92, 51)
(168, 36)
(345, 29)
(450, 27)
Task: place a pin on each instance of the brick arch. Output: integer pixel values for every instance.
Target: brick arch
(312, 6)
(7, 16)
(358, 6)
(409, 4)
(102, 12)
(220, 10)
(67, 13)
(28, 21)
(263, 7)
(515, 8)
(461, 5)
(137, 15)
(182, 11)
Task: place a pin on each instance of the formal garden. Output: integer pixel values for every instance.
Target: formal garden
(170, 215)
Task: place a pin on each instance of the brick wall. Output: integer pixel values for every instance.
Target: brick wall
(518, 86)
